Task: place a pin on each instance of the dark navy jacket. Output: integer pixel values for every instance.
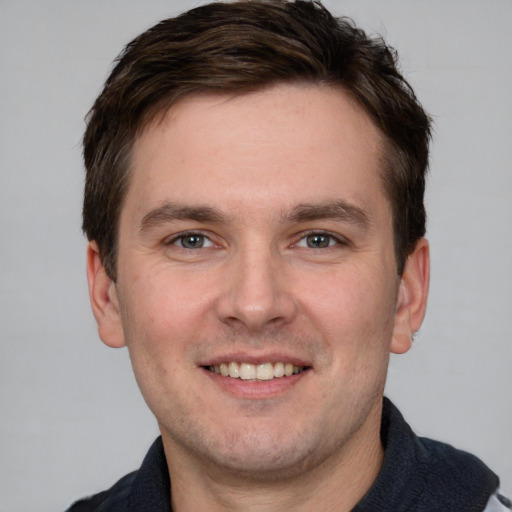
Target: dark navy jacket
(418, 475)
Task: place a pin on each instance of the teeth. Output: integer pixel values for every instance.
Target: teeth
(279, 370)
(265, 371)
(234, 370)
(248, 371)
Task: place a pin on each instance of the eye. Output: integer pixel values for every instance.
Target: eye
(318, 241)
(192, 241)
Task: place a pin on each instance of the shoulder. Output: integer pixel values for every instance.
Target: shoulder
(98, 502)
(144, 490)
(424, 475)
(498, 503)
(459, 477)
(455, 464)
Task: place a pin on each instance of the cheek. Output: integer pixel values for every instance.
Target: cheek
(354, 312)
(161, 318)
(164, 304)
(350, 297)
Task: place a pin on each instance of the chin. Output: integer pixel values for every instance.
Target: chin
(260, 453)
(259, 463)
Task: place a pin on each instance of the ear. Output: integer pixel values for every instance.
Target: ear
(103, 297)
(412, 297)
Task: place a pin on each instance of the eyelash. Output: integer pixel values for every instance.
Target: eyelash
(338, 240)
(189, 234)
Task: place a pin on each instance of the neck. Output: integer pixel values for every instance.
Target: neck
(336, 484)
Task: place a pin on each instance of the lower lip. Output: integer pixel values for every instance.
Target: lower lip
(256, 389)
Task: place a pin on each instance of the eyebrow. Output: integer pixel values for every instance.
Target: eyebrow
(169, 212)
(337, 210)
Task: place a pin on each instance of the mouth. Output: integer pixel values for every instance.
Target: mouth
(256, 372)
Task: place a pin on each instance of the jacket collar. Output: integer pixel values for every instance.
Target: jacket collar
(417, 474)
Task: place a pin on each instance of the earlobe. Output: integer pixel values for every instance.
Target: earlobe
(412, 297)
(103, 297)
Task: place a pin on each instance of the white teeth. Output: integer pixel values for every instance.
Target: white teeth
(234, 370)
(248, 371)
(279, 370)
(265, 371)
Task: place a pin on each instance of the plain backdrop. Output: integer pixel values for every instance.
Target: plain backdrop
(72, 419)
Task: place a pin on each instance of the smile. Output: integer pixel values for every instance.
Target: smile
(248, 371)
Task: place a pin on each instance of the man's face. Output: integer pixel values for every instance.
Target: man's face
(255, 240)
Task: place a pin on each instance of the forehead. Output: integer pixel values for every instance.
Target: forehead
(279, 146)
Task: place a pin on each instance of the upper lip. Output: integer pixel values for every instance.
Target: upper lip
(254, 358)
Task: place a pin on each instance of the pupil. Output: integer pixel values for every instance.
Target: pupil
(318, 241)
(192, 242)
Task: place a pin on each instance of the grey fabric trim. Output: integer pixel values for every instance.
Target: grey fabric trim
(498, 503)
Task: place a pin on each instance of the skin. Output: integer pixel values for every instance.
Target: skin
(252, 183)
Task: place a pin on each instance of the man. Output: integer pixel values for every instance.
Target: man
(254, 206)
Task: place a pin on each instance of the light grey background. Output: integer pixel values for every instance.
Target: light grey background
(72, 419)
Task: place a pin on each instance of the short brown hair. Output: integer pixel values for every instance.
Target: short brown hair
(236, 47)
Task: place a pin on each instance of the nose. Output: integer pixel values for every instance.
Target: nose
(255, 292)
